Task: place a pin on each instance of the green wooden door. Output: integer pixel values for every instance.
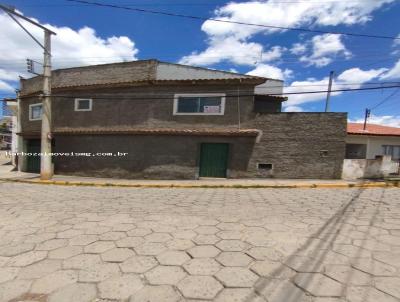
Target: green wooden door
(33, 162)
(213, 160)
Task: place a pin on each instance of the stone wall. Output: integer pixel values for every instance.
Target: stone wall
(299, 145)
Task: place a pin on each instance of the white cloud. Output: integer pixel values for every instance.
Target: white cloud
(69, 47)
(293, 109)
(5, 87)
(298, 49)
(233, 50)
(349, 79)
(324, 49)
(393, 73)
(386, 120)
(269, 71)
(294, 14)
(230, 42)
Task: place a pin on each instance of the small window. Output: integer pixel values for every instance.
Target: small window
(205, 104)
(323, 153)
(265, 167)
(35, 112)
(83, 105)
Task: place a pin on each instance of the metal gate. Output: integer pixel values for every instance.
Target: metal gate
(213, 159)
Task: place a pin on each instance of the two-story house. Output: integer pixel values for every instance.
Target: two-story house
(150, 119)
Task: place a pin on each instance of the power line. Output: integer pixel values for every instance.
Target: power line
(386, 98)
(171, 14)
(156, 97)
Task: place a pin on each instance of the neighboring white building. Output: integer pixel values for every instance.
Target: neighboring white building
(375, 140)
(373, 152)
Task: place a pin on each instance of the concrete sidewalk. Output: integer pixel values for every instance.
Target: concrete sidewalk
(11, 176)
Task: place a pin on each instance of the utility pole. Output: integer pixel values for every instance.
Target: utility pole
(328, 95)
(46, 169)
(367, 114)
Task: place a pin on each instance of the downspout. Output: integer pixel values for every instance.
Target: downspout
(238, 103)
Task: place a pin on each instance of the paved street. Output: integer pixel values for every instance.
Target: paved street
(150, 245)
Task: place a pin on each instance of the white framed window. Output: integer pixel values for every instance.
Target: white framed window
(35, 112)
(199, 104)
(83, 104)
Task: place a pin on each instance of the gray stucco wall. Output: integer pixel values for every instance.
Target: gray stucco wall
(156, 157)
(298, 145)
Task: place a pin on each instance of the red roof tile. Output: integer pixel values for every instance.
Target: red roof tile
(372, 129)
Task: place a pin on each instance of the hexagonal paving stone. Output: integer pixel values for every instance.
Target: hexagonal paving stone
(238, 295)
(112, 236)
(39, 269)
(276, 290)
(360, 294)
(199, 287)
(139, 232)
(51, 244)
(304, 264)
(206, 230)
(138, 264)
(274, 269)
(158, 237)
(230, 226)
(202, 266)
(27, 258)
(77, 292)
(130, 242)
(173, 258)
(69, 233)
(121, 287)
(236, 277)
(117, 255)
(187, 234)
(230, 235)
(206, 239)
(158, 293)
(83, 239)
(204, 251)
(388, 285)
(318, 285)
(65, 252)
(234, 259)
(264, 253)
(8, 273)
(13, 250)
(169, 275)
(347, 275)
(388, 258)
(99, 272)
(54, 281)
(352, 251)
(99, 247)
(179, 244)
(82, 261)
(150, 248)
(232, 245)
(373, 267)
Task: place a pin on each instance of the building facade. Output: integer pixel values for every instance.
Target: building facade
(149, 119)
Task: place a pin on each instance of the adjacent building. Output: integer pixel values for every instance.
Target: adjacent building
(373, 141)
(151, 119)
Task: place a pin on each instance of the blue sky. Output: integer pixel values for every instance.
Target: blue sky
(302, 59)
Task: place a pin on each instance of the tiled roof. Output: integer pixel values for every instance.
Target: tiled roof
(156, 131)
(372, 129)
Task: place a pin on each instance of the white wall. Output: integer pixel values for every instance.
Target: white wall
(374, 143)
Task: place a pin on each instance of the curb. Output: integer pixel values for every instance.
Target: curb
(384, 184)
